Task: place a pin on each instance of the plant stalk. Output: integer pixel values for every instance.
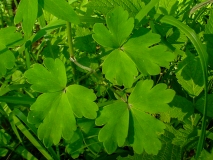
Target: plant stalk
(71, 50)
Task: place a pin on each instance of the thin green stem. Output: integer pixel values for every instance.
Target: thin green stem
(71, 50)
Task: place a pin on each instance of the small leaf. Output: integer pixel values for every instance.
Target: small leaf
(27, 11)
(148, 56)
(60, 9)
(119, 68)
(49, 79)
(119, 25)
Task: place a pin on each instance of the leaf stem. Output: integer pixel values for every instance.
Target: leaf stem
(71, 50)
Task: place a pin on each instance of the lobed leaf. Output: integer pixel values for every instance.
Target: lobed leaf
(50, 78)
(119, 28)
(133, 121)
(54, 111)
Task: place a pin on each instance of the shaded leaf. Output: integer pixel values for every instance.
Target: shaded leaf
(60, 9)
(200, 102)
(189, 75)
(27, 12)
(104, 6)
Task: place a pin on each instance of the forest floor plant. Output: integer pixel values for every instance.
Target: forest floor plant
(106, 79)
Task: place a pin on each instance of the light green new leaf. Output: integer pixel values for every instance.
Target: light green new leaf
(119, 28)
(119, 68)
(148, 56)
(60, 9)
(116, 120)
(27, 11)
(134, 117)
(54, 111)
(50, 78)
(188, 75)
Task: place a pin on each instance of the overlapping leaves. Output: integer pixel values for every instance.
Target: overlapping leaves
(139, 51)
(55, 110)
(8, 38)
(133, 121)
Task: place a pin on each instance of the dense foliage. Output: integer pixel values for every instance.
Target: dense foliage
(106, 79)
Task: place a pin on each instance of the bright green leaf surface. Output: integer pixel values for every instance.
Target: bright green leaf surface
(119, 25)
(189, 75)
(104, 6)
(119, 68)
(27, 11)
(147, 57)
(9, 37)
(143, 128)
(116, 118)
(153, 100)
(50, 79)
(167, 7)
(60, 9)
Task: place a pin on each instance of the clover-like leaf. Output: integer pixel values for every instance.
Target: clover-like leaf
(119, 68)
(119, 28)
(54, 111)
(148, 56)
(134, 119)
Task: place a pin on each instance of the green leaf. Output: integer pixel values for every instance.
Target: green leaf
(4, 141)
(134, 119)
(180, 108)
(119, 68)
(116, 129)
(59, 104)
(50, 78)
(27, 11)
(199, 105)
(104, 6)
(60, 9)
(7, 60)
(144, 128)
(9, 37)
(187, 75)
(119, 25)
(148, 56)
